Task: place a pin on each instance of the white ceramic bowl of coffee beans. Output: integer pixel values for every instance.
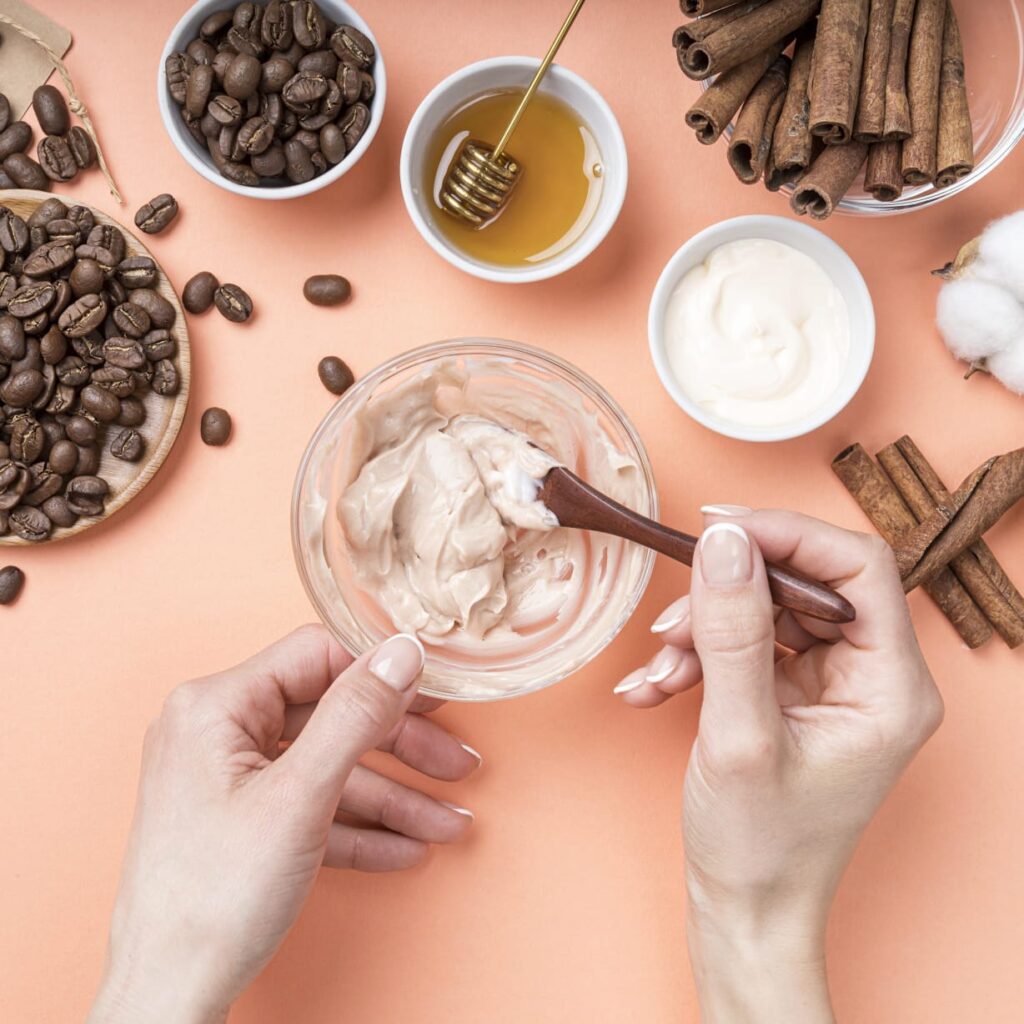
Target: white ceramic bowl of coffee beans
(212, 22)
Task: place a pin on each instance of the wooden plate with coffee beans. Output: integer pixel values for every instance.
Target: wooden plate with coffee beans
(95, 367)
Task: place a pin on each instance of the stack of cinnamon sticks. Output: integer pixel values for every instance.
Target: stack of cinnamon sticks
(938, 536)
(824, 87)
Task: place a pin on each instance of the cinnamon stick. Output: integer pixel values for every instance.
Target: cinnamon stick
(694, 31)
(835, 76)
(791, 144)
(923, 69)
(939, 494)
(966, 567)
(752, 139)
(979, 503)
(897, 107)
(741, 39)
(955, 156)
(883, 177)
(878, 498)
(695, 8)
(828, 179)
(870, 122)
(712, 112)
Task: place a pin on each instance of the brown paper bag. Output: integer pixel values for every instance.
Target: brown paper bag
(23, 65)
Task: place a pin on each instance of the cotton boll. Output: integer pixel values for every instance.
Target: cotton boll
(1008, 367)
(1001, 253)
(978, 318)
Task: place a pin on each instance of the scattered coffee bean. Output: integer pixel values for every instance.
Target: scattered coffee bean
(25, 172)
(83, 149)
(215, 427)
(12, 579)
(56, 159)
(157, 214)
(327, 289)
(197, 295)
(15, 138)
(51, 110)
(335, 375)
(30, 523)
(233, 303)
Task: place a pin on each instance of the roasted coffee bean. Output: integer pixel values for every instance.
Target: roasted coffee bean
(15, 138)
(27, 440)
(120, 382)
(323, 61)
(83, 217)
(126, 353)
(14, 481)
(255, 136)
(87, 278)
(161, 312)
(38, 323)
(369, 89)
(31, 360)
(335, 375)
(131, 320)
(63, 298)
(89, 349)
(63, 457)
(88, 460)
(81, 429)
(298, 165)
(308, 24)
(274, 73)
(215, 24)
(327, 289)
(99, 402)
(82, 316)
(192, 127)
(104, 257)
(63, 401)
(239, 173)
(54, 431)
(176, 69)
(30, 300)
(12, 339)
(49, 385)
(201, 51)
(53, 346)
(25, 172)
(225, 110)
(157, 214)
(242, 76)
(30, 523)
(44, 485)
(133, 412)
(197, 90)
(57, 511)
(303, 90)
(83, 149)
(64, 230)
(215, 427)
(159, 344)
(233, 303)
(73, 371)
(353, 46)
(48, 210)
(197, 295)
(109, 239)
(332, 143)
(14, 232)
(350, 81)
(271, 163)
(276, 29)
(127, 446)
(165, 378)
(137, 272)
(56, 159)
(310, 139)
(86, 495)
(12, 579)
(51, 110)
(354, 124)
(5, 111)
(8, 286)
(49, 259)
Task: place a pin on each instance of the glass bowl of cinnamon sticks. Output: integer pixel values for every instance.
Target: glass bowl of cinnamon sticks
(863, 106)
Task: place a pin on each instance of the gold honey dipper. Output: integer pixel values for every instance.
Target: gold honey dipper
(481, 179)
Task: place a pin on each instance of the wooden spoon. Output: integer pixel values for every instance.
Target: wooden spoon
(578, 506)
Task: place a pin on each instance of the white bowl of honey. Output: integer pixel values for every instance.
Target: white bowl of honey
(574, 179)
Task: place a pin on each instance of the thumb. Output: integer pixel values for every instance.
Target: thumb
(358, 710)
(734, 635)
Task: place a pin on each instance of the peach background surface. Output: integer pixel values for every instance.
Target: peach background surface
(566, 904)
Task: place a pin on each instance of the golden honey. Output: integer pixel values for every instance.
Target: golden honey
(559, 191)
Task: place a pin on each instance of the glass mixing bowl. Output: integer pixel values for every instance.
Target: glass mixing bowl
(353, 616)
(993, 35)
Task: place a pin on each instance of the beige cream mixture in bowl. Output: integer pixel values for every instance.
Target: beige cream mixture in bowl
(415, 510)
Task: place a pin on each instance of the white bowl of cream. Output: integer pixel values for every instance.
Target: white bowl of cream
(761, 328)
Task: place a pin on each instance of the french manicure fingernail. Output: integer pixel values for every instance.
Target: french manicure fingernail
(398, 661)
(464, 811)
(672, 616)
(725, 556)
(726, 510)
(665, 662)
(473, 753)
(632, 682)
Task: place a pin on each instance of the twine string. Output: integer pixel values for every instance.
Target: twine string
(75, 103)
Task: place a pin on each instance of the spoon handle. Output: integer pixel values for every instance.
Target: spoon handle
(577, 505)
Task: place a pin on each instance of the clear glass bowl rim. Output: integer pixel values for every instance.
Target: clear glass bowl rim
(460, 347)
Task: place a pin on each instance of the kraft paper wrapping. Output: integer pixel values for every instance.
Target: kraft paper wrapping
(23, 65)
